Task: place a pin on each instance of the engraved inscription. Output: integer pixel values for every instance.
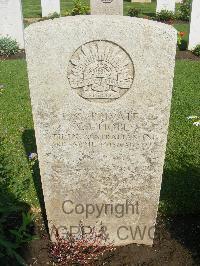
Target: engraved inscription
(100, 71)
(96, 130)
(106, 1)
(4, 3)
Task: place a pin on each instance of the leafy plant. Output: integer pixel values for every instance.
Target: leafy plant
(22, 234)
(54, 15)
(81, 249)
(164, 16)
(8, 46)
(51, 16)
(78, 9)
(134, 12)
(182, 45)
(184, 10)
(12, 237)
(15, 226)
(196, 50)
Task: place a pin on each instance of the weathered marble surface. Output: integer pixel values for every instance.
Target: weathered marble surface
(168, 5)
(11, 20)
(194, 37)
(101, 89)
(106, 7)
(49, 7)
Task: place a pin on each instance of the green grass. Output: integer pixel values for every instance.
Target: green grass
(185, 28)
(147, 9)
(15, 119)
(181, 187)
(32, 8)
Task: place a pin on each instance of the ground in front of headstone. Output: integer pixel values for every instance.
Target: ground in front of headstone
(176, 243)
(179, 55)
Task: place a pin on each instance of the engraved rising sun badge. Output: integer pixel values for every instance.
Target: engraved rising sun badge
(100, 71)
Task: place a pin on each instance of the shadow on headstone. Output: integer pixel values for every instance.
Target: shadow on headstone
(29, 143)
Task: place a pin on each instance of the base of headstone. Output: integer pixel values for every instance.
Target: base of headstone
(49, 7)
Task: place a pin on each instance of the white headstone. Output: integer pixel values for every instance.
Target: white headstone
(194, 37)
(106, 7)
(168, 5)
(11, 20)
(101, 93)
(179, 1)
(49, 7)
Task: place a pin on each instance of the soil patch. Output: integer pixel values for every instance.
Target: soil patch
(187, 55)
(176, 243)
(180, 55)
(29, 21)
(19, 55)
